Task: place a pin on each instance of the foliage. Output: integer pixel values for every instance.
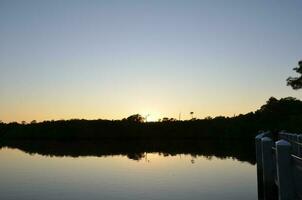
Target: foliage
(296, 82)
(137, 118)
(166, 119)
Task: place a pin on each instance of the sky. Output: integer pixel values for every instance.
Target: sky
(110, 59)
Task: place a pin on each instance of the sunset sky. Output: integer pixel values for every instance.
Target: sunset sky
(110, 59)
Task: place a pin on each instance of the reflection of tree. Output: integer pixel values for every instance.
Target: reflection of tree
(138, 149)
(296, 82)
(136, 156)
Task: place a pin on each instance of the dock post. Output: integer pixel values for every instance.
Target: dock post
(259, 164)
(284, 171)
(268, 166)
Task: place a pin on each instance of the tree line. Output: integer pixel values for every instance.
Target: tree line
(275, 115)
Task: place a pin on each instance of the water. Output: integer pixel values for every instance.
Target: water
(39, 175)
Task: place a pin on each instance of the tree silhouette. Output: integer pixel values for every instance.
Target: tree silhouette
(136, 118)
(296, 82)
(166, 119)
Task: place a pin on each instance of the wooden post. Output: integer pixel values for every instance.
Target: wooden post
(268, 166)
(259, 152)
(259, 164)
(284, 170)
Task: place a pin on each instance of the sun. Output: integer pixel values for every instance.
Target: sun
(151, 116)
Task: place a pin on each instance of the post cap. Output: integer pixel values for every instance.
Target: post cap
(282, 143)
(262, 134)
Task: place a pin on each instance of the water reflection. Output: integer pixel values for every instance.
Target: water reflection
(126, 170)
(137, 149)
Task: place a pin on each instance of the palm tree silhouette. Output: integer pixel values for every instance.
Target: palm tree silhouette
(191, 113)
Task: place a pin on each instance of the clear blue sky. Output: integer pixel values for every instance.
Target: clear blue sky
(110, 59)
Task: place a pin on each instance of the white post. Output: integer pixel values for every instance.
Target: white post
(259, 164)
(284, 170)
(259, 151)
(268, 166)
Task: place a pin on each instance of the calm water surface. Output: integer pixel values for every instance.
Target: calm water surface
(33, 176)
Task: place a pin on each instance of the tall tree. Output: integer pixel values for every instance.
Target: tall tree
(296, 82)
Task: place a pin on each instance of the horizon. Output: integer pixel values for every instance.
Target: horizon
(109, 60)
(146, 118)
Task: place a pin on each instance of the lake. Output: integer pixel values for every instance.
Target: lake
(30, 171)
